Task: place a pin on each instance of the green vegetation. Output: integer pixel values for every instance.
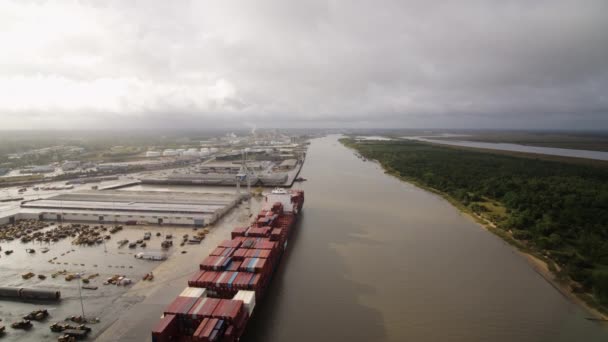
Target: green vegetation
(549, 208)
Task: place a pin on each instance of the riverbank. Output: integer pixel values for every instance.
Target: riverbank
(538, 260)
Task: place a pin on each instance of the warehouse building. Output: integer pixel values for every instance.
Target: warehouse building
(132, 207)
(223, 179)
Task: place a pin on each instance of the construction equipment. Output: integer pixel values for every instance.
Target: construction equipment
(66, 338)
(23, 325)
(37, 315)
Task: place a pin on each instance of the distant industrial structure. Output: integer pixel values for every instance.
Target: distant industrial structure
(229, 179)
(70, 165)
(288, 164)
(39, 169)
(190, 152)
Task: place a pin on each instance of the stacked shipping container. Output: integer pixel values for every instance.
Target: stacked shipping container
(223, 292)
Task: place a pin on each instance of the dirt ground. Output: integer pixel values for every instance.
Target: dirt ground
(135, 312)
(125, 313)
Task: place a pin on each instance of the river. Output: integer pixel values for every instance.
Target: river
(552, 151)
(377, 259)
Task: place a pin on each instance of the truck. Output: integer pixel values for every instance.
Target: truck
(155, 256)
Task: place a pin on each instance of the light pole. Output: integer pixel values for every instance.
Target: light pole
(80, 294)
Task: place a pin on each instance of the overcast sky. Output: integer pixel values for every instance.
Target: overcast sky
(189, 64)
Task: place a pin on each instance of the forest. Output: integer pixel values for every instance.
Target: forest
(557, 208)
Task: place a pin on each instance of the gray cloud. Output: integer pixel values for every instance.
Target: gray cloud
(510, 64)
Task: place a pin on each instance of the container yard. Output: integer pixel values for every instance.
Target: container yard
(49, 265)
(95, 250)
(222, 294)
(100, 250)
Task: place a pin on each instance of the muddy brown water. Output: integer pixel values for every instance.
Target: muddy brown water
(377, 259)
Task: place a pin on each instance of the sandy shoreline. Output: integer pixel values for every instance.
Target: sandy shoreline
(542, 269)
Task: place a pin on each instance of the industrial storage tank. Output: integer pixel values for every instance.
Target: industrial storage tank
(28, 294)
(169, 152)
(192, 153)
(9, 292)
(39, 294)
(152, 154)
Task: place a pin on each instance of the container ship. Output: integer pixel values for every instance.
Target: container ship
(221, 296)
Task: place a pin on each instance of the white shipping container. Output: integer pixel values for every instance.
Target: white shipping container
(248, 298)
(193, 292)
(151, 256)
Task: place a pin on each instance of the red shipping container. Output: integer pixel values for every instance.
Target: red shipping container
(258, 253)
(193, 280)
(217, 251)
(277, 206)
(199, 282)
(228, 309)
(259, 232)
(263, 221)
(208, 278)
(203, 307)
(254, 282)
(228, 252)
(225, 293)
(207, 332)
(240, 231)
(165, 329)
(180, 305)
(242, 280)
(240, 239)
(234, 265)
(229, 332)
(265, 244)
(230, 243)
(225, 279)
(214, 263)
(239, 254)
(198, 333)
(257, 265)
(241, 321)
(260, 247)
(249, 242)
